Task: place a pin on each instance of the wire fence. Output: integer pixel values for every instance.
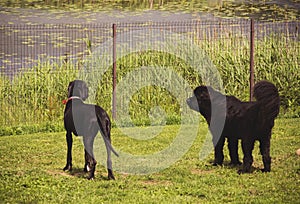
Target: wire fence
(47, 57)
(24, 45)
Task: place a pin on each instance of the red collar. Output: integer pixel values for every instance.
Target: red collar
(65, 101)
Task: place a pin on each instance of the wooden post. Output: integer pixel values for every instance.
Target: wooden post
(114, 71)
(251, 79)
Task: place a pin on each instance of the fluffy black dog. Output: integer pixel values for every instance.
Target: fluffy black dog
(248, 121)
(86, 120)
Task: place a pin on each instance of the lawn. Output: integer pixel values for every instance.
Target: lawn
(31, 172)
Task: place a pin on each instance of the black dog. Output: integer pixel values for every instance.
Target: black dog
(86, 120)
(248, 121)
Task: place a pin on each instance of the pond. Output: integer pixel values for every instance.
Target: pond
(26, 11)
(18, 40)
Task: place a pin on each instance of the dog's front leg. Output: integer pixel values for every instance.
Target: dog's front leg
(265, 152)
(69, 151)
(219, 156)
(233, 151)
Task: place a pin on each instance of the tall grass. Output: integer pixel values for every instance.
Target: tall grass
(280, 64)
(34, 96)
(276, 59)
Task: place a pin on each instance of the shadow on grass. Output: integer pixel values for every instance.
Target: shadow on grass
(76, 172)
(227, 165)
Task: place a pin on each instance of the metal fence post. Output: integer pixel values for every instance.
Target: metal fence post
(114, 72)
(251, 59)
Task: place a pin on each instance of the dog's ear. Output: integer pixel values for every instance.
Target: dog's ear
(78, 88)
(70, 89)
(84, 91)
(214, 94)
(205, 93)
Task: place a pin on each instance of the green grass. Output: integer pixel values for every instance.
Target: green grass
(31, 172)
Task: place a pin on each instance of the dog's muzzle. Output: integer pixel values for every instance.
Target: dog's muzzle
(193, 103)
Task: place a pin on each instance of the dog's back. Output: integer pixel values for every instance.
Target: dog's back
(253, 118)
(80, 117)
(240, 117)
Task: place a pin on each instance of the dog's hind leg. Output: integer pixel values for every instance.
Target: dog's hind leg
(86, 158)
(265, 152)
(69, 151)
(233, 151)
(105, 132)
(109, 163)
(90, 165)
(108, 150)
(90, 162)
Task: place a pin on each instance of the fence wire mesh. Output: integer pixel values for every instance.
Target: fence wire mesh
(38, 61)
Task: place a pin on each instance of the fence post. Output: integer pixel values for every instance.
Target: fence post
(251, 59)
(114, 71)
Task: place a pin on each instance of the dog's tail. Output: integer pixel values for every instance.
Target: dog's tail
(106, 136)
(107, 141)
(267, 96)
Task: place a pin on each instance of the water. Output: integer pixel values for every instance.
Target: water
(14, 52)
(143, 10)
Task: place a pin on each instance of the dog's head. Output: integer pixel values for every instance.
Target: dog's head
(202, 98)
(78, 88)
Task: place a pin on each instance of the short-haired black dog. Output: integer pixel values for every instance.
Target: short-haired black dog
(248, 121)
(86, 120)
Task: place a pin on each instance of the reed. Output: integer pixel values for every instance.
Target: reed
(34, 96)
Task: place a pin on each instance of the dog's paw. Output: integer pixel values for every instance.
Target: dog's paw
(111, 177)
(68, 168)
(243, 171)
(238, 163)
(217, 164)
(91, 178)
(265, 170)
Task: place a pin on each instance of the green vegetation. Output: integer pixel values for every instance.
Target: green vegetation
(31, 172)
(31, 107)
(35, 96)
(32, 101)
(276, 59)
